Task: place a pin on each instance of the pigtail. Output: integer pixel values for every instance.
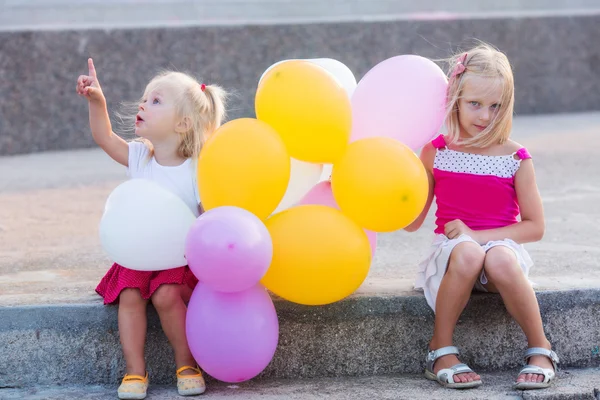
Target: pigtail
(215, 110)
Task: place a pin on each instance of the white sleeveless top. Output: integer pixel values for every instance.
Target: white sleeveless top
(180, 179)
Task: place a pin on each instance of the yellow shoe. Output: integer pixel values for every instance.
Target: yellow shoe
(133, 387)
(190, 385)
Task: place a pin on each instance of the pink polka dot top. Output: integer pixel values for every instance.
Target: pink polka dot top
(477, 189)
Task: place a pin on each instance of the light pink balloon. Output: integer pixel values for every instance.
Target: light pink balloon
(402, 98)
(322, 194)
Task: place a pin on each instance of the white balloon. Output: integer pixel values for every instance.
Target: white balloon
(340, 71)
(327, 170)
(337, 69)
(303, 177)
(144, 226)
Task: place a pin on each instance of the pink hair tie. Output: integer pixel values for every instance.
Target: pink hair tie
(460, 66)
(203, 87)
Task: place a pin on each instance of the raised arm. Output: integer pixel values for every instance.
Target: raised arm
(89, 87)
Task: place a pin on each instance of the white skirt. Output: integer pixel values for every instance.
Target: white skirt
(433, 268)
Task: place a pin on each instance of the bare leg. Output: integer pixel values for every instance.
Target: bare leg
(132, 330)
(464, 267)
(506, 277)
(172, 310)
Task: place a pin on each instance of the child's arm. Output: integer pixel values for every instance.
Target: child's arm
(531, 227)
(89, 87)
(427, 157)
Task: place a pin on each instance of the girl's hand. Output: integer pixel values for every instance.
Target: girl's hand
(88, 85)
(454, 229)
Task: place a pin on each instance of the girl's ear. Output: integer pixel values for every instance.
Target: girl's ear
(184, 125)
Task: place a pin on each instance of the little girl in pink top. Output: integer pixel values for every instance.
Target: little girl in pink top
(482, 183)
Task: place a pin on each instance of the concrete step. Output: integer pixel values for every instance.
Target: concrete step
(360, 336)
(579, 384)
(235, 55)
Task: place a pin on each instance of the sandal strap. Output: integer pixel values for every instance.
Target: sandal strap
(433, 355)
(186, 367)
(448, 374)
(130, 378)
(461, 369)
(540, 351)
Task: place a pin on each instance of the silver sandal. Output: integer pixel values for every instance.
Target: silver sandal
(445, 377)
(549, 375)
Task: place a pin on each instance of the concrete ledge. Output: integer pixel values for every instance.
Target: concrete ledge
(579, 384)
(554, 58)
(359, 336)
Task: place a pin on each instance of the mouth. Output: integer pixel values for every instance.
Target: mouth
(138, 119)
(480, 127)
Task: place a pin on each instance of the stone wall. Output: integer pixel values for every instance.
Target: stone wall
(556, 62)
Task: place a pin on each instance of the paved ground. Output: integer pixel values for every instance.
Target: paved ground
(573, 384)
(93, 14)
(51, 204)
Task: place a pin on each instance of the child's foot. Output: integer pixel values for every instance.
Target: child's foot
(539, 361)
(190, 381)
(449, 361)
(540, 370)
(133, 387)
(443, 366)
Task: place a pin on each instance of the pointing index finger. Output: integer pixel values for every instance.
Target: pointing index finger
(91, 68)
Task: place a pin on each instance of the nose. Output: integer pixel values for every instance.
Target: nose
(141, 107)
(485, 114)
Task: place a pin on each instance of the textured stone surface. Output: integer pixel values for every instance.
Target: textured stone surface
(78, 344)
(572, 384)
(554, 59)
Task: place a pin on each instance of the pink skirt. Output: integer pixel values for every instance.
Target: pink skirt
(118, 278)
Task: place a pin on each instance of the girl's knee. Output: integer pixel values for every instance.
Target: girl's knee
(166, 296)
(501, 265)
(131, 297)
(467, 259)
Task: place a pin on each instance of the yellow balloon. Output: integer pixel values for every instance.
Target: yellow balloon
(244, 164)
(319, 255)
(309, 109)
(380, 183)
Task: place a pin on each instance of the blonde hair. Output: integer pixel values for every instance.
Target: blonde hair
(488, 62)
(203, 105)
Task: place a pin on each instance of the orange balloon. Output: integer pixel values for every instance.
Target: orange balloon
(308, 107)
(380, 183)
(319, 255)
(244, 164)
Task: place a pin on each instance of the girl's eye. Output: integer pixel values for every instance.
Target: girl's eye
(474, 103)
(495, 106)
(155, 101)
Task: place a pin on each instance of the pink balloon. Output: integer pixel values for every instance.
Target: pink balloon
(229, 249)
(402, 98)
(232, 336)
(322, 194)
